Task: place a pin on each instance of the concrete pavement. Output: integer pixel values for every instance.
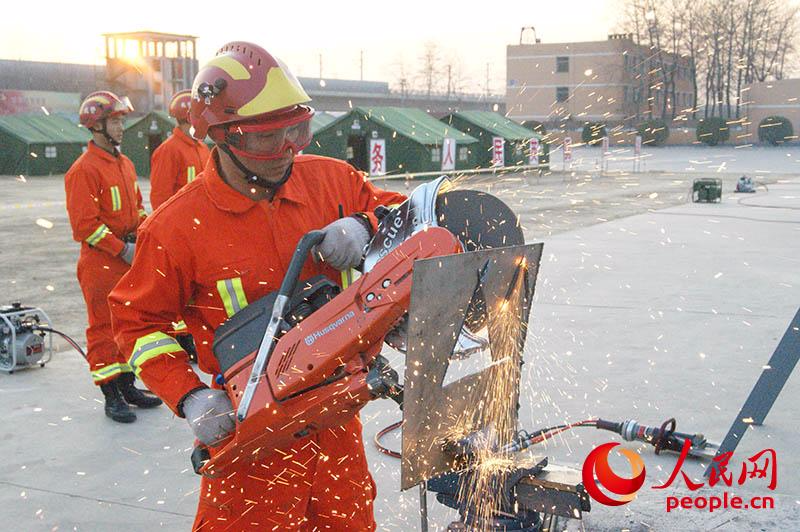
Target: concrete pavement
(646, 307)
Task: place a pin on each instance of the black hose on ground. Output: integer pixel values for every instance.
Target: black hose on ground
(69, 340)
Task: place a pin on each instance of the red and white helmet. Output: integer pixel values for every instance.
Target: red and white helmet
(101, 105)
(180, 104)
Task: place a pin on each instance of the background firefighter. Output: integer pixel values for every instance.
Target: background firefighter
(105, 208)
(179, 159)
(225, 240)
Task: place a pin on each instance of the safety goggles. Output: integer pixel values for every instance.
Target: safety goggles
(271, 139)
(122, 107)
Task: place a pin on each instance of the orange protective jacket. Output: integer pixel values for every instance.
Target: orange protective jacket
(104, 205)
(176, 162)
(210, 251)
(103, 201)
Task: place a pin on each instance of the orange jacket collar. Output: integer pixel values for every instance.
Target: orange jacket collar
(97, 151)
(227, 199)
(178, 132)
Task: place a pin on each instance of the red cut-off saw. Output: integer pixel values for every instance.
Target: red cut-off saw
(307, 357)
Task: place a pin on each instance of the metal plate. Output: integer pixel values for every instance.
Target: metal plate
(442, 290)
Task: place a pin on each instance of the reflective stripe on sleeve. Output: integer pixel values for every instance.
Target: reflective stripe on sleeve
(151, 346)
(98, 235)
(232, 294)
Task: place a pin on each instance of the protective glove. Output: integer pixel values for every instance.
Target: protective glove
(127, 252)
(344, 243)
(210, 415)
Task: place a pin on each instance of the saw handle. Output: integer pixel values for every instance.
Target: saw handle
(304, 246)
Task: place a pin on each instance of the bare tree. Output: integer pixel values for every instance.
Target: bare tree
(692, 43)
(404, 81)
(453, 73)
(659, 26)
(726, 44)
(430, 70)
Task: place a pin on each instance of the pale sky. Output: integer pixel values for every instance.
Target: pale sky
(388, 31)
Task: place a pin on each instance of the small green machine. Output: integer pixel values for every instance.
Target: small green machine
(707, 190)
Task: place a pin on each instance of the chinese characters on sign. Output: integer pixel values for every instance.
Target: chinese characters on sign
(498, 152)
(377, 157)
(533, 158)
(567, 149)
(448, 154)
(761, 465)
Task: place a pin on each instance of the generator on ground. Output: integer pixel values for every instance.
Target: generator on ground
(707, 190)
(24, 338)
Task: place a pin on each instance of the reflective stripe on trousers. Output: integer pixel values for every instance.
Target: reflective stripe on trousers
(110, 371)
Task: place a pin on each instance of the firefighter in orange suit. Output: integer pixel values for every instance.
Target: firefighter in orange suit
(174, 164)
(105, 209)
(225, 240)
(180, 158)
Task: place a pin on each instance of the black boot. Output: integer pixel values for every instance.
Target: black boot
(134, 395)
(116, 407)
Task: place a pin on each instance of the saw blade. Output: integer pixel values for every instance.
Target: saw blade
(480, 221)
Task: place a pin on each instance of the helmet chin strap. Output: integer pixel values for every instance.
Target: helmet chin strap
(251, 176)
(108, 137)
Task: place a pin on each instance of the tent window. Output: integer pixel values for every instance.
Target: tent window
(463, 153)
(50, 152)
(436, 156)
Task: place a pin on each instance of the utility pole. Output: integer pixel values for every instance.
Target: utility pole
(320, 66)
(487, 80)
(449, 69)
(362, 65)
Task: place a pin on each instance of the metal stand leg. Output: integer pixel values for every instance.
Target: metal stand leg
(423, 506)
(766, 390)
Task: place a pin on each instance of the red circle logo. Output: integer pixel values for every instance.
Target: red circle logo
(596, 467)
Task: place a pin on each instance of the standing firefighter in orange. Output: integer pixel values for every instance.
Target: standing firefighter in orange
(180, 158)
(226, 239)
(105, 209)
(175, 163)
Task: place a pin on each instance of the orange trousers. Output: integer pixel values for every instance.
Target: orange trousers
(98, 273)
(321, 483)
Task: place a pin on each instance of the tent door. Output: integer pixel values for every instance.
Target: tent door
(357, 152)
(153, 141)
